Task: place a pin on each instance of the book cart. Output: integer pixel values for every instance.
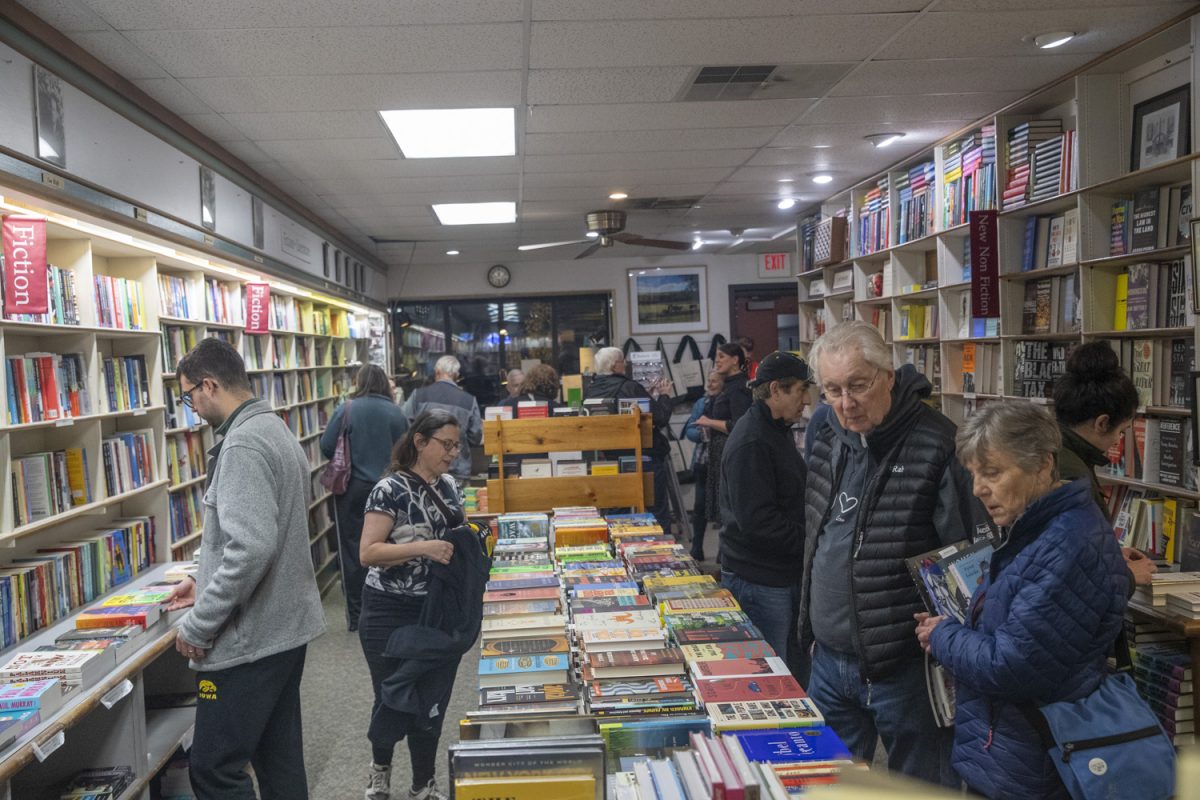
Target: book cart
(124, 310)
(1083, 206)
(503, 437)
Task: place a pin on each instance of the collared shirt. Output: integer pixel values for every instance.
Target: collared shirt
(215, 450)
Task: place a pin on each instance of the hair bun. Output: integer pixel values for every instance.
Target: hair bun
(1094, 361)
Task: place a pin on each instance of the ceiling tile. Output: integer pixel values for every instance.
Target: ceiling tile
(119, 53)
(156, 15)
(614, 85)
(359, 92)
(329, 149)
(711, 9)
(67, 17)
(609, 161)
(248, 152)
(951, 75)
(841, 138)
(214, 126)
(309, 125)
(1017, 5)
(402, 168)
(665, 42)
(456, 190)
(647, 141)
(900, 109)
(662, 116)
(957, 34)
(625, 176)
(172, 94)
(332, 51)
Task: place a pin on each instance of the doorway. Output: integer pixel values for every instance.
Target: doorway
(768, 313)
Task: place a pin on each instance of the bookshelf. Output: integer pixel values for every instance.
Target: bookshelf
(503, 437)
(1055, 162)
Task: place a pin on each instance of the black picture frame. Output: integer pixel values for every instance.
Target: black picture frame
(1195, 223)
(50, 131)
(1165, 118)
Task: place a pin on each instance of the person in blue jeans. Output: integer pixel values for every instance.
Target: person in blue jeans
(883, 485)
(762, 505)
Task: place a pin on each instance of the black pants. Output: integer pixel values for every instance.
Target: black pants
(250, 714)
(349, 508)
(699, 515)
(382, 613)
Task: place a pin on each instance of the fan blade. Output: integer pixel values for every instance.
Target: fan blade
(633, 238)
(543, 245)
(588, 252)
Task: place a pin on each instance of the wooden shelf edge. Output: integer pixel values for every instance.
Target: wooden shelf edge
(191, 537)
(79, 511)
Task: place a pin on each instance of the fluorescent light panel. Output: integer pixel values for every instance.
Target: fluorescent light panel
(475, 213)
(453, 132)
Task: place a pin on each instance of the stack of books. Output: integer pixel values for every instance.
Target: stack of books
(580, 525)
(1164, 584)
(1163, 673)
(915, 192)
(969, 179)
(1022, 142)
(99, 783)
(559, 767)
(44, 387)
(1053, 167)
(874, 219)
(1184, 604)
(62, 306)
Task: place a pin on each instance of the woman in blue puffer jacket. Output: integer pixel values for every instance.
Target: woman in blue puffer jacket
(1041, 626)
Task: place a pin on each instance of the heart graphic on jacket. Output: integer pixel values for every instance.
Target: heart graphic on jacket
(846, 504)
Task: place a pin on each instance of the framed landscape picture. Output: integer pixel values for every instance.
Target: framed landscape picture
(1161, 128)
(668, 299)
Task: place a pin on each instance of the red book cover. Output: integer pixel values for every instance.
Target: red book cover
(732, 690)
(546, 593)
(731, 667)
(734, 633)
(49, 384)
(635, 658)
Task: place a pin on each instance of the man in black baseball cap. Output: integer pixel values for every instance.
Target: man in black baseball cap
(762, 505)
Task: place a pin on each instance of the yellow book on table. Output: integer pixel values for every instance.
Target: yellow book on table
(1122, 302)
(526, 787)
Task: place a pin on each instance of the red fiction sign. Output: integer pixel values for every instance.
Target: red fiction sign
(258, 298)
(25, 290)
(985, 266)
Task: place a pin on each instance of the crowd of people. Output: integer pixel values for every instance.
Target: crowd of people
(813, 543)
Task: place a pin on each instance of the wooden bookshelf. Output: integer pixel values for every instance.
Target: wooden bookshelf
(553, 434)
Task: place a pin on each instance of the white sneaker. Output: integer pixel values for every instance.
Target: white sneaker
(430, 792)
(378, 783)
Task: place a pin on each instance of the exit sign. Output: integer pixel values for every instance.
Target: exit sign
(774, 265)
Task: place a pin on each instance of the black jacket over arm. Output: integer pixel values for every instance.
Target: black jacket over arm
(416, 694)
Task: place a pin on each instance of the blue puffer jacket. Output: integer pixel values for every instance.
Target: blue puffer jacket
(1040, 631)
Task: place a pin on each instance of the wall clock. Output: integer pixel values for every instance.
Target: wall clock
(499, 276)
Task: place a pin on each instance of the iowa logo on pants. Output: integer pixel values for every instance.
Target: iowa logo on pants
(207, 690)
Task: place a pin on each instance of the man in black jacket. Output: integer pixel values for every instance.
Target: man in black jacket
(883, 485)
(762, 505)
(609, 383)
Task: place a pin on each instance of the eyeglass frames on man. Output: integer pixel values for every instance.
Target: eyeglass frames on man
(855, 391)
(186, 397)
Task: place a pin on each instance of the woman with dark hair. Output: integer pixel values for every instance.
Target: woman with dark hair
(1094, 402)
(376, 423)
(727, 408)
(408, 515)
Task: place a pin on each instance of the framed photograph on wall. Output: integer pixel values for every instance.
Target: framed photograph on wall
(48, 117)
(208, 199)
(256, 221)
(1162, 128)
(668, 299)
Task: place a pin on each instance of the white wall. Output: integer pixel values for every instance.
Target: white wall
(532, 278)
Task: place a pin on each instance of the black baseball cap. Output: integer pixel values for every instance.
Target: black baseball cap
(779, 365)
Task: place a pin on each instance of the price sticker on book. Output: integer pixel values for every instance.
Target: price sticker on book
(62, 423)
(117, 693)
(43, 750)
(141, 412)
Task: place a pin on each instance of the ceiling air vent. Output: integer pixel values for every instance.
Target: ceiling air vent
(727, 83)
(660, 203)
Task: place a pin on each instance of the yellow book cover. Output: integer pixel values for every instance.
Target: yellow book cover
(77, 476)
(1122, 301)
(1170, 527)
(677, 580)
(526, 787)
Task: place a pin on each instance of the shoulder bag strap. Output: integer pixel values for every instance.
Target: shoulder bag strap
(344, 429)
(453, 520)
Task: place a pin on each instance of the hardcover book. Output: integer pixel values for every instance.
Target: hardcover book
(508, 671)
(752, 714)
(769, 687)
(947, 577)
(45, 696)
(528, 693)
(739, 668)
(524, 647)
(744, 632)
(819, 744)
(722, 650)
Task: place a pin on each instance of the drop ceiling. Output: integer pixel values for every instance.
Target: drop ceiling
(293, 87)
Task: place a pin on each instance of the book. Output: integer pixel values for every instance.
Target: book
(71, 667)
(742, 632)
(595, 641)
(769, 687)
(1140, 296)
(731, 650)
(45, 696)
(523, 647)
(947, 577)
(752, 714)
(1121, 302)
(1146, 222)
(527, 787)
(528, 693)
(506, 671)
(739, 668)
(792, 746)
(636, 662)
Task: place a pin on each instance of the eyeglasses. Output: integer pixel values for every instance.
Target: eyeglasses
(855, 390)
(452, 446)
(186, 397)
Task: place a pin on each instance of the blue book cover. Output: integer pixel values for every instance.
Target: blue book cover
(1031, 224)
(523, 583)
(616, 585)
(791, 745)
(508, 665)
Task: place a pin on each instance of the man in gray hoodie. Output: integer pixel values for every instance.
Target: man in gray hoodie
(254, 601)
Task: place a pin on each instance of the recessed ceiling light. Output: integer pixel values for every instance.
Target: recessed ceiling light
(1047, 41)
(475, 213)
(786, 203)
(591, 234)
(451, 252)
(453, 132)
(697, 244)
(786, 180)
(884, 139)
(822, 178)
(618, 196)
(822, 146)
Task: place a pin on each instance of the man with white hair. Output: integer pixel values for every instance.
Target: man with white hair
(883, 485)
(513, 382)
(444, 394)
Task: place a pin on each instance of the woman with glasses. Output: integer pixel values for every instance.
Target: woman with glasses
(727, 408)
(375, 424)
(409, 513)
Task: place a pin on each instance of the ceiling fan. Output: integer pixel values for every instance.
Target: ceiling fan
(609, 227)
